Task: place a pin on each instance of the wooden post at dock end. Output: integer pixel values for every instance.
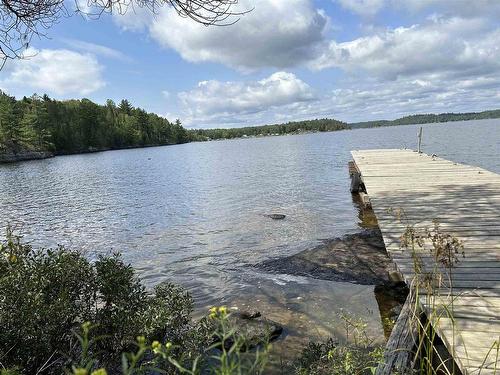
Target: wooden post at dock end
(357, 185)
(420, 140)
(355, 178)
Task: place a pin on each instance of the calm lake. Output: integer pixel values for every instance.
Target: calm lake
(194, 213)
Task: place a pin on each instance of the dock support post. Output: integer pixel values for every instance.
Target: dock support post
(357, 185)
(356, 181)
(398, 354)
(420, 140)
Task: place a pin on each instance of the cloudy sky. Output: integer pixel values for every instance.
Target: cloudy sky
(353, 60)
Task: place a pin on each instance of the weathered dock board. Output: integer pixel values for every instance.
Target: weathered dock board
(465, 200)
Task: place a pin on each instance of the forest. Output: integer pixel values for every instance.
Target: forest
(39, 123)
(294, 127)
(429, 119)
(72, 126)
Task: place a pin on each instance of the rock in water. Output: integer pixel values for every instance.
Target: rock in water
(360, 258)
(248, 314)
(255, 329)
(276, 216)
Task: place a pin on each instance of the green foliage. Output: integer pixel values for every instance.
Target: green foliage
(167, 358)
(10, 134)
(74, 126)
(318, 125)
(45, 295)
(429, 119)
(358, 355)
(43, 124)
(328, 358)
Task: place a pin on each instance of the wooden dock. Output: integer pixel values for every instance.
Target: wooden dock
(465, 200)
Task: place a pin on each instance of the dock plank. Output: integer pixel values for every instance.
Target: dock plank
(465, 200)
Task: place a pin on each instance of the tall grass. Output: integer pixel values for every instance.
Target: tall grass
(435, 254)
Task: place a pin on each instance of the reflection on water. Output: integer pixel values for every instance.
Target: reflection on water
(194, 213)
(366, 216)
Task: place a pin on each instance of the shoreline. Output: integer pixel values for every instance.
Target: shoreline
(359, 258)
(11, 157)
(25, 155)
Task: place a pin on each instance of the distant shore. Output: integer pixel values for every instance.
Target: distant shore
(26, 155)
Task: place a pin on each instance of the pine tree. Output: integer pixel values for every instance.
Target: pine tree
(34, 125)
(126, 107)
(10, 134)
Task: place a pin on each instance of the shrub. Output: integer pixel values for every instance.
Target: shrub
(46, 294)
(358, 355)
(166, 358)
(328, 358)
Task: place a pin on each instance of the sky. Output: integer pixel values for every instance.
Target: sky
(285, 60)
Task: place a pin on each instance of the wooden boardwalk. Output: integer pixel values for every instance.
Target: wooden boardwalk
(465, 200)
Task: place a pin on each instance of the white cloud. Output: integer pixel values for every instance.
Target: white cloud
(216, 102)
(228, 104)
(366, 8)
(96, 49)
(276, 33)
(135, 18)
(58, 72)
(287, 33)
(440, 46)
(375, 100)
(463, 8)
(449, 61)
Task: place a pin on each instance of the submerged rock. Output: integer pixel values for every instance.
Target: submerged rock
(359, 258)
(255, 329)
(395, 290)
(276, 216)
(248, 314)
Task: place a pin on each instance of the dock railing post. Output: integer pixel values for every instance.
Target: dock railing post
(420, 140)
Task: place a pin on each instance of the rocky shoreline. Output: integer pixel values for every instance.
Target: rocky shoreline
(12, 157)
(25, 155)
(358, 258)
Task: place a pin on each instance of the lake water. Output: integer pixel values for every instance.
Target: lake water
(194, 213)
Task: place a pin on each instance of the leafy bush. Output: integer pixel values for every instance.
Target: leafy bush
(166, 358)
(47, 294)
(355, 357)
(327, 358)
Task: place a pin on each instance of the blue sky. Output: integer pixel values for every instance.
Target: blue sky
(286, 60)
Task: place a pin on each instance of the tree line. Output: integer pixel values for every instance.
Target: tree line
(39, 123)
(293, 127)
(43, 124)
(429, 119)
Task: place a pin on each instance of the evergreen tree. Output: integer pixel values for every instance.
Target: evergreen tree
(126, 107)
(10, 134)
(143, 126)
(35, 125)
